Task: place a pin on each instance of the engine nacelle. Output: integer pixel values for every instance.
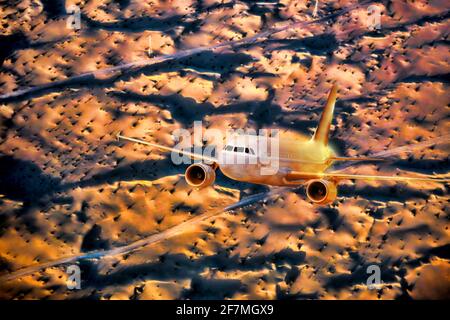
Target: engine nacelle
(321, 191)
(200, 175)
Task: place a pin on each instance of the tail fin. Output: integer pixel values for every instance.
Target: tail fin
(323, 129)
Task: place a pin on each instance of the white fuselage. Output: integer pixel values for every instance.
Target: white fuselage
(264, 160)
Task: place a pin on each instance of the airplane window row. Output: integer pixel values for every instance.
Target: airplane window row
(239, 149)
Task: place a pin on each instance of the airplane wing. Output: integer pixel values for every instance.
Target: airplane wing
(169, 149)
(295, 175)
(357, 159)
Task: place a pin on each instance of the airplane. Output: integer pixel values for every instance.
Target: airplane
(299, 162)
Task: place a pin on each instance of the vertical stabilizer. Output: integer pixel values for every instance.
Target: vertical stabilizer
(323, 129)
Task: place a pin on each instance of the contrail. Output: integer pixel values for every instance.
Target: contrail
(108, 72)
(154, 238)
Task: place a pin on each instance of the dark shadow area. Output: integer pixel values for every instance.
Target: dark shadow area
(143, 23)
(332, 217)
(93, 240)
(212, 289)
(424, 166)
(398, 192)
(442, 252)
(443, 78)
(11, 43)
(4, 221)
(428, 254)
(123, 4)
(23, 180)
(54, 8)
(322, 44)
(5, 266)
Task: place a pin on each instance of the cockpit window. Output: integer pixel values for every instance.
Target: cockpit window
(239, 149)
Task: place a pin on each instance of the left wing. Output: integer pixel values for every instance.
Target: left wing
(169, 149)
(296, 175)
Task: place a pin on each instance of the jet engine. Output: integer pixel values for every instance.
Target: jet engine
(200, 175)
(321, 191)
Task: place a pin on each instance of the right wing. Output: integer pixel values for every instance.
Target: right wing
(362, 158)
(296, 175)
(169, 149)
